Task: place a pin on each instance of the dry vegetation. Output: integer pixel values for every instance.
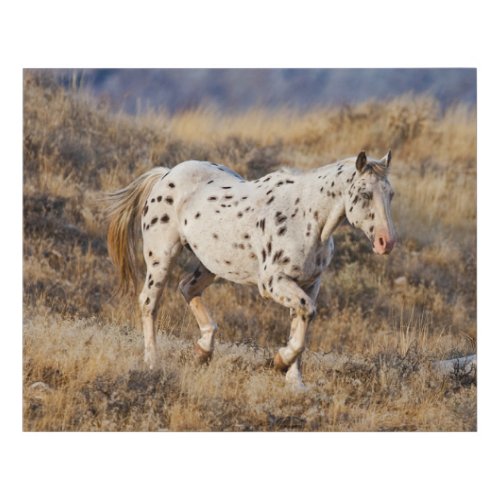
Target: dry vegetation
(381, 320)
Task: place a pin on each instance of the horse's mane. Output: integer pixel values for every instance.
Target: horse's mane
(377, 167)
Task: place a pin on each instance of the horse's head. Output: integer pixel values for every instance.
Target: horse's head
(368, 202)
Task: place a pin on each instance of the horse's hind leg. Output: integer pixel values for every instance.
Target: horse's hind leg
(158, 262)
(192, 287)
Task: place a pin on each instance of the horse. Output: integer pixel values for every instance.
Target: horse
(274, 232)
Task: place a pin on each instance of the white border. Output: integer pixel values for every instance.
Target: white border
(256, 34)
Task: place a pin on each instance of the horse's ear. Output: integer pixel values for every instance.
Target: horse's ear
(386, 160)
(361, 161)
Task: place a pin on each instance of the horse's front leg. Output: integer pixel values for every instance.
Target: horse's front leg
(303, 304)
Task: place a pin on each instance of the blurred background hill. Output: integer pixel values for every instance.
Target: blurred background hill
(172, 90)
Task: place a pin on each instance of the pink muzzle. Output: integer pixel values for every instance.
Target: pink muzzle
(383, 242)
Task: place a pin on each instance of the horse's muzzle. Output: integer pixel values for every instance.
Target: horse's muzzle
(383, 243)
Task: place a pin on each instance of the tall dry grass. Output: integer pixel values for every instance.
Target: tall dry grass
(380, 320)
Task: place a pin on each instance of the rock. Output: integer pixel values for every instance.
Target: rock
(448, 366)
(401, 281)
(40, 386)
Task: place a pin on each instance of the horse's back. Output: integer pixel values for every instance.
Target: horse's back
(195, 171)
(188, 181)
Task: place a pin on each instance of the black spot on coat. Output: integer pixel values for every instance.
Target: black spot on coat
(280, 218)
(277, 256)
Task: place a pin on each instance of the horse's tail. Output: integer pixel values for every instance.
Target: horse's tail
(123, 212)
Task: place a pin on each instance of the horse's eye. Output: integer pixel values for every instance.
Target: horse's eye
(391, 195)
(366, 196)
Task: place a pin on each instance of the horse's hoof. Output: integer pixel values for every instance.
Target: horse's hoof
(294, 382)
(202, 356)
(279, 364)
(296, 387)
(151, 362)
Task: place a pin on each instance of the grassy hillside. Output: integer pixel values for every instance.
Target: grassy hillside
(380, 322)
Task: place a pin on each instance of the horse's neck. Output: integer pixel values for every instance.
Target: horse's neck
(325, 188)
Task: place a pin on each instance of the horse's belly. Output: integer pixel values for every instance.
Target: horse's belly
(224, 247)
(237, 266)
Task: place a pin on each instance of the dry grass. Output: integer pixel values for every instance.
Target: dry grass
(93, 379)
(380, 320)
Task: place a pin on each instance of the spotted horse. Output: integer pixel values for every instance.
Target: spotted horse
(274, 232)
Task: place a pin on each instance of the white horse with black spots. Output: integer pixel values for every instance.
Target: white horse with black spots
(274, 232)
